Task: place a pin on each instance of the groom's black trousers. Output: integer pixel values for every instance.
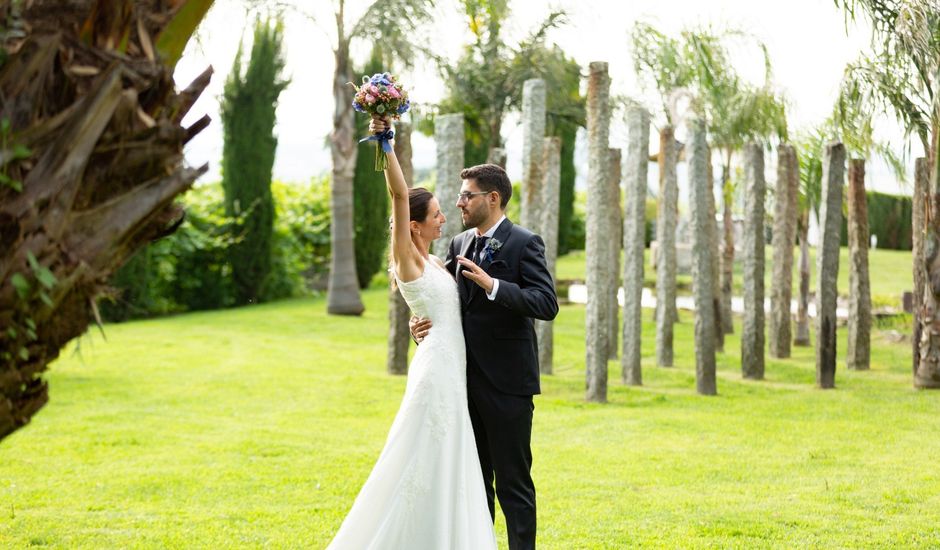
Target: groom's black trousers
(502, 425)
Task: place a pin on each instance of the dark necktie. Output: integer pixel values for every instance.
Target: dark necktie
(478, 247)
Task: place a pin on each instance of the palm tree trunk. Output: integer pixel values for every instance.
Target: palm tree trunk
(100, 164)
(827, 264)
(598, 262)
(716, 262)
(928, 369)
(752, 326)
(637, 166)
(859, 342)
(702, 284)
(727, 256)
(549, 230)
(533, 137)
(802, 312)
(918, 219)
(398, 313)
(449, 139)
(666, 249)
(343, 287)
(785, 212)
(615, 244)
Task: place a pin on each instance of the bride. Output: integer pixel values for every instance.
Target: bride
(426, 489)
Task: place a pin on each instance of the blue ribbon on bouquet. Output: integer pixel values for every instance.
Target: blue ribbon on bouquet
(383, 146)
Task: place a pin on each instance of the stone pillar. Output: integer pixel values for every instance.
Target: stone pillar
(702, 284)
(615, 242)
(785, 212)
(497, 156)
(544, 330)
(752, 331)
(449, 137)
(827, 263)
(666, 218)
(716, 263)
(634, 229)
(918, 224)
(859, 344)
(533, 136)
(399, 337)
(802, 311)
(598, 263)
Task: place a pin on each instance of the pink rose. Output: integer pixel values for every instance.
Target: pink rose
(370, 99)
(374, 89)
(394, 92)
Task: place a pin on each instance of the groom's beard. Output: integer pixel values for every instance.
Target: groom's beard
(473, 218)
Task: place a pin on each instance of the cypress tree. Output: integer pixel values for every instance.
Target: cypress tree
(370, 197)
(249, 102)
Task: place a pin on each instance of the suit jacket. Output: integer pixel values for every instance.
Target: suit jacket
(500, 333)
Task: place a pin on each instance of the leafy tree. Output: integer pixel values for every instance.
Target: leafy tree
(248, 111)
(486, 81)
(900, 76)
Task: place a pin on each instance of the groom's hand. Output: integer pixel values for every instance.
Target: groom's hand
(419, 327)
(476, 274)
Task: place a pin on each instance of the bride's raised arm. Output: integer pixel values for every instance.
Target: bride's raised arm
(408, 262)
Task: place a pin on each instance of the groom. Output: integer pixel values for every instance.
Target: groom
(503, 284)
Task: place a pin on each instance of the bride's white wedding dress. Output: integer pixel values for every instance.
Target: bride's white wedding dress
(426, 489)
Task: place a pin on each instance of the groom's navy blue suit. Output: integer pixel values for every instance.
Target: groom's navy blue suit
(502, 365)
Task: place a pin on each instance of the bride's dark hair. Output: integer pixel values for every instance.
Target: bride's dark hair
(419, 201)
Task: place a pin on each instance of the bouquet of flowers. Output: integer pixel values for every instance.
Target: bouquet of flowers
(381, 95)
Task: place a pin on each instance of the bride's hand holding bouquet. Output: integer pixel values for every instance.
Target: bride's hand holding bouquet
(384, 98)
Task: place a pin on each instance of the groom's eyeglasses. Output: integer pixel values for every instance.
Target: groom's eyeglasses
(467, 195)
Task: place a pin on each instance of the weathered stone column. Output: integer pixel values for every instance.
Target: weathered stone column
(634, 229)
(827, 263)
(399, 337)
(781, 285)
(859, 344)
(533, 136)
(615, 242)
(918, 224)
(752, 332)
(449, 137)
(544, 330)
(598, 263)
(666, 218)
(702, 284)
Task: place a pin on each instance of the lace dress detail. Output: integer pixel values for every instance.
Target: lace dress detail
(426, 489)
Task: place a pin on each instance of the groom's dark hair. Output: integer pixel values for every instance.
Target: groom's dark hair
(490, 177)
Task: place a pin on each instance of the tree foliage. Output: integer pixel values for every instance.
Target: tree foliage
(248, 111)
(370, 197)
(486, 80)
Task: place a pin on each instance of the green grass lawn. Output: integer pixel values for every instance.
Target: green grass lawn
(889, 271)
(255, 428)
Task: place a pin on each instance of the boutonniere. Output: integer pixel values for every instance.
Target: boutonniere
(492, 247)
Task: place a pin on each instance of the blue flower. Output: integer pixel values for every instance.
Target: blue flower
(492, 246)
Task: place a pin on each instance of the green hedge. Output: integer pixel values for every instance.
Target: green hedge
(191, 270)
(889, 217)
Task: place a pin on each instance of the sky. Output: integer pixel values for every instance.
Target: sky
(809, 43)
